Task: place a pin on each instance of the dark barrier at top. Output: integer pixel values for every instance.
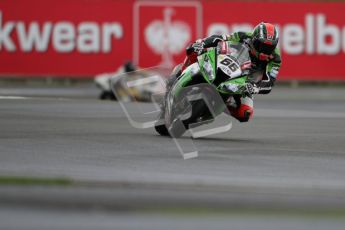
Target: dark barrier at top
(81, 38)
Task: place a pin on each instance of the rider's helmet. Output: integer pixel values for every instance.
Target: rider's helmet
(265, 39)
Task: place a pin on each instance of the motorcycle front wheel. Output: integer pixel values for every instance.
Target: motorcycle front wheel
(162, 130)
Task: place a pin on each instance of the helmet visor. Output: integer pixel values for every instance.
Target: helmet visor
(263, 47)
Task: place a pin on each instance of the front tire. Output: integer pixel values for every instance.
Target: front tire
(105, 95)
(162, 130)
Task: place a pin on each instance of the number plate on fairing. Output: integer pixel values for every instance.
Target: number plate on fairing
(229, 66)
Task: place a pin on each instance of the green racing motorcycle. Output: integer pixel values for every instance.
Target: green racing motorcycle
(202, 90)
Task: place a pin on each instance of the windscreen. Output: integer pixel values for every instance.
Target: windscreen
(237, 50)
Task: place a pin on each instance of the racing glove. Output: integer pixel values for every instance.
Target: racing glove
(196, 47)
(251, 88)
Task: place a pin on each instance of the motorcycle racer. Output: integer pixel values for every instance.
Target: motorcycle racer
(265, 58)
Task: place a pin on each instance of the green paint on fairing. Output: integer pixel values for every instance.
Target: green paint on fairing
(211, 57)
(240, 82)
(184, 79)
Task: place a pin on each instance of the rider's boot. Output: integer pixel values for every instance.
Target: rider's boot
(241, 109)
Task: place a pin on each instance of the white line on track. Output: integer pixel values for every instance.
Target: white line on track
(297, 113)
(13, 98)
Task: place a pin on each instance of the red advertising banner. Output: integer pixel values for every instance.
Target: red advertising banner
(81, 38)
(63, 37)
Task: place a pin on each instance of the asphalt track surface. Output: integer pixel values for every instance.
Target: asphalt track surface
(291, 155)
